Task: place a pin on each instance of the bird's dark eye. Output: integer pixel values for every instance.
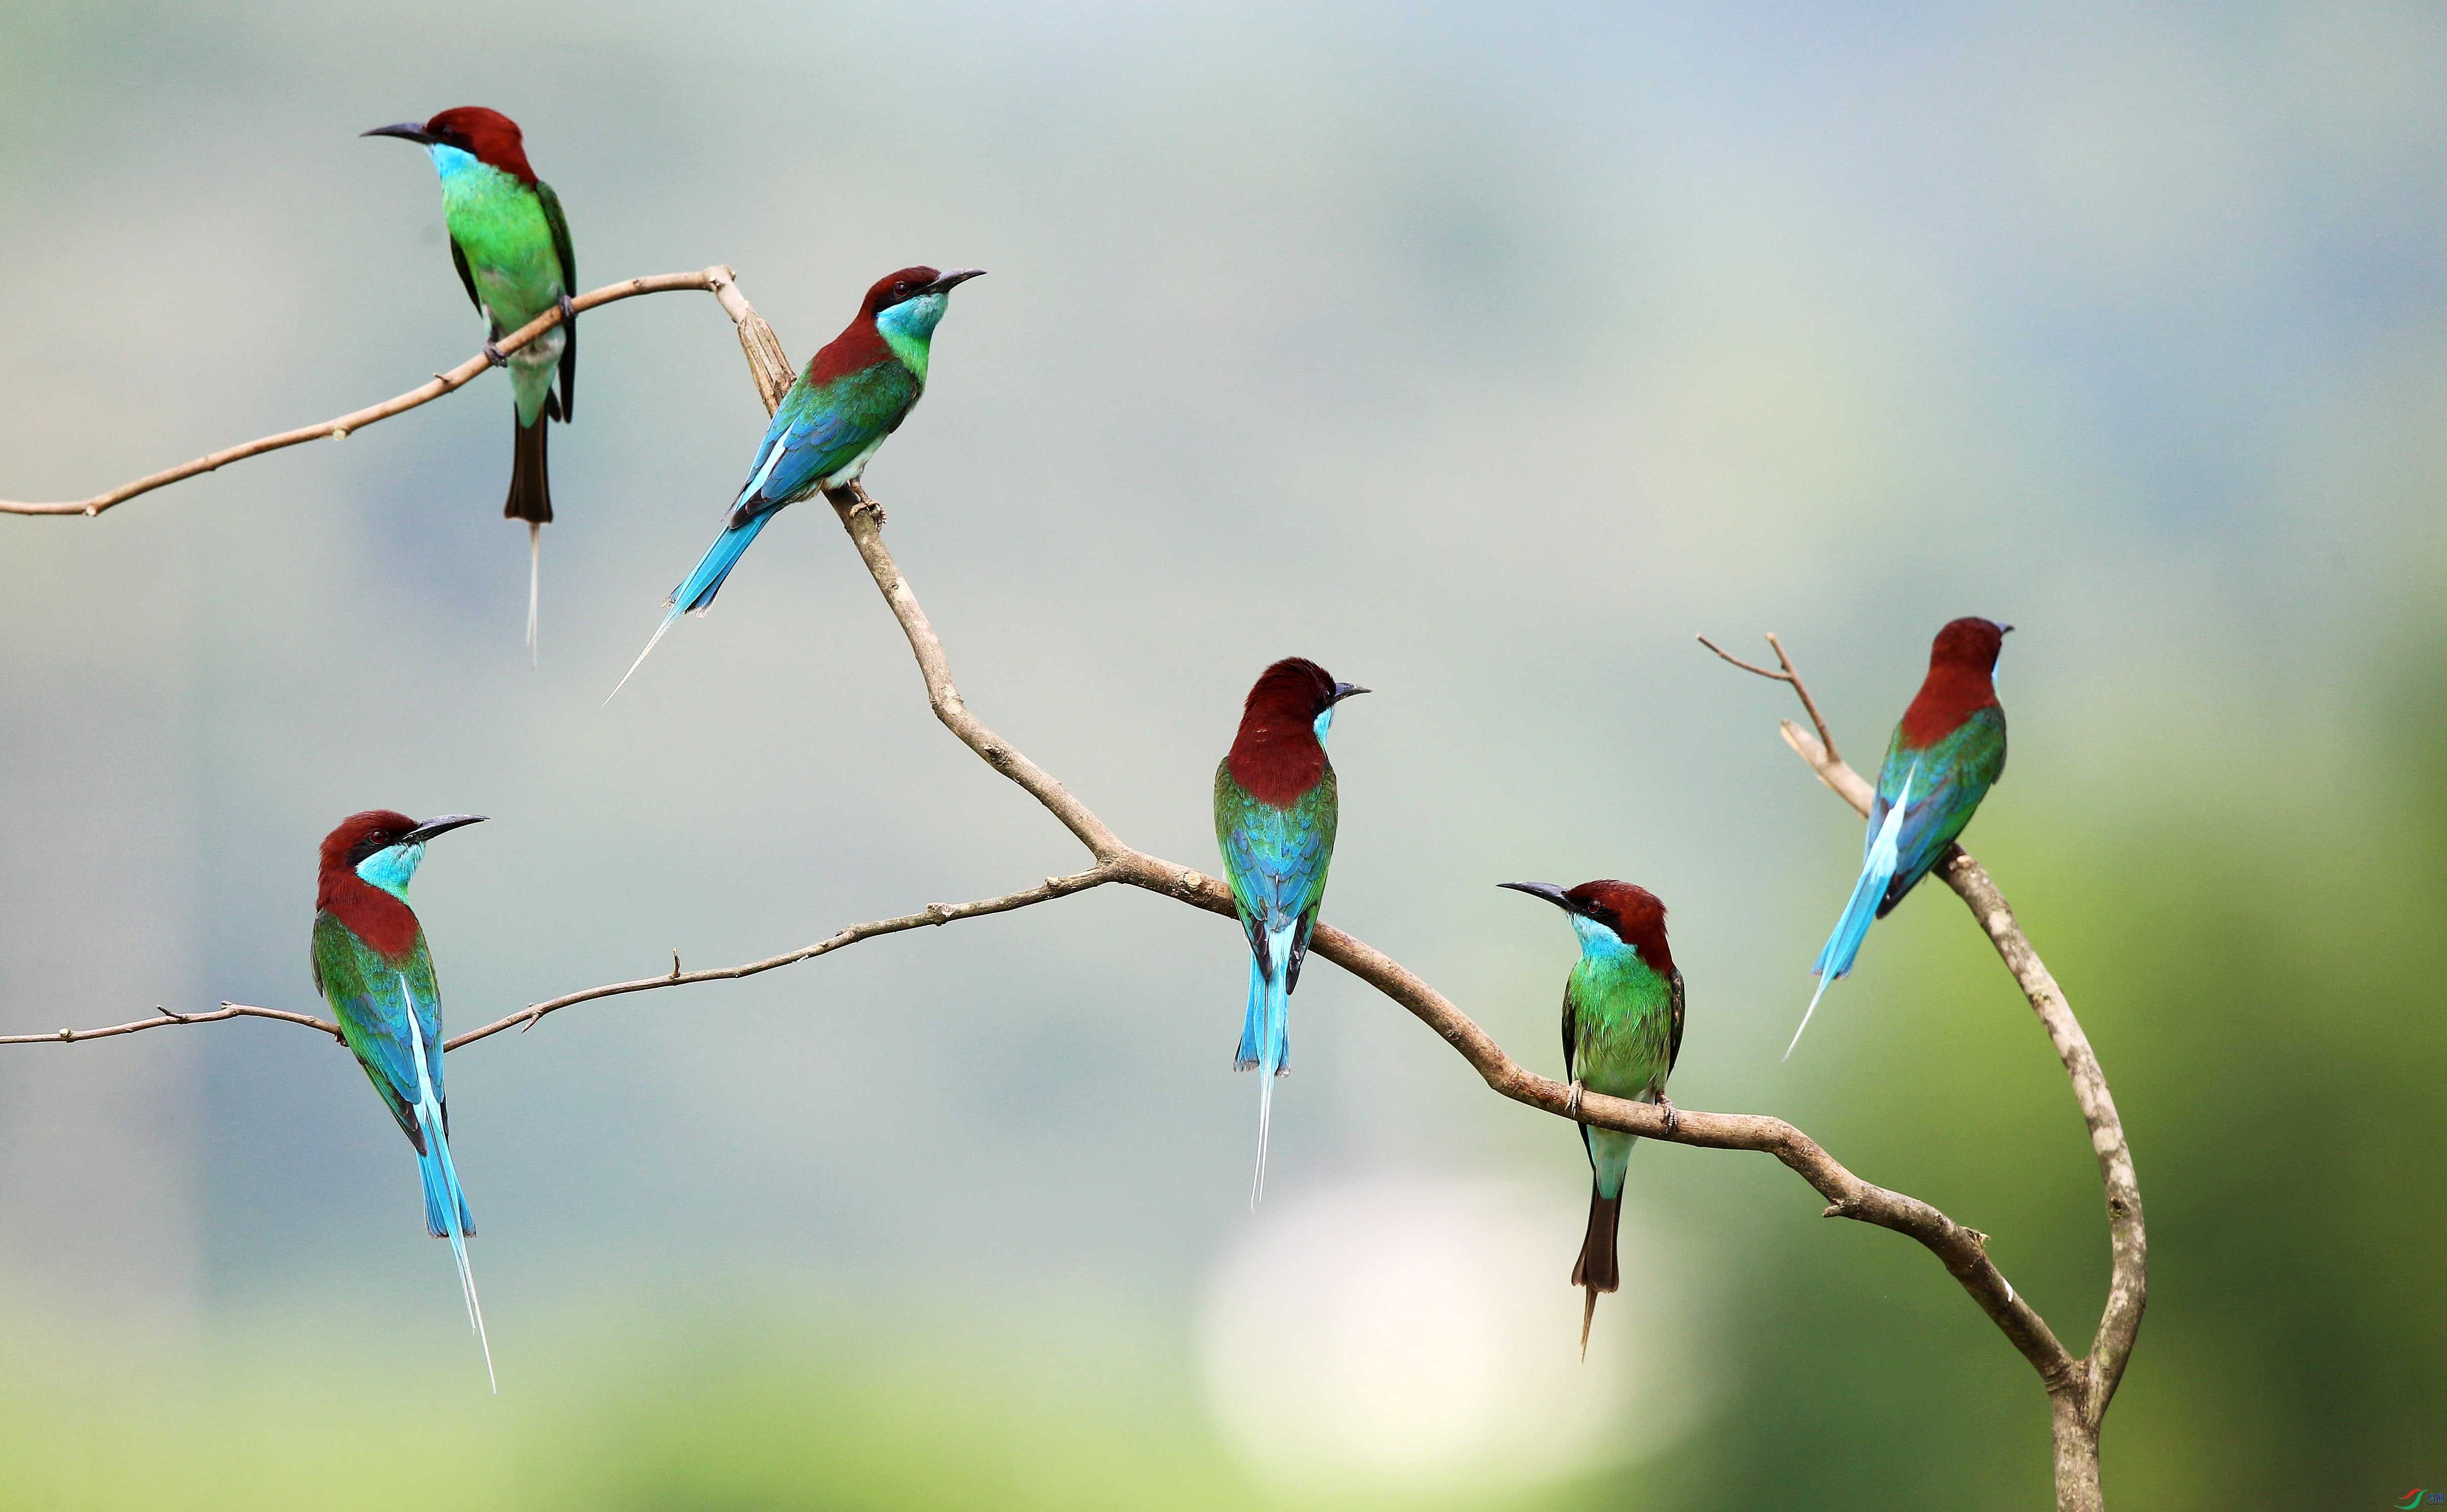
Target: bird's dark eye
(901, 288)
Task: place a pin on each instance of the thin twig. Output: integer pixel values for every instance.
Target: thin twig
(717, 279)
(1788, 675)
(166, 1019)
(1052, 887)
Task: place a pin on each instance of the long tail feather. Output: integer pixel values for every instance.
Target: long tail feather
(1597, 1269)
(446, 1201)
(1270, 1020)
(535, 583)
(660, 630)
(1843, 947)
(695, 596)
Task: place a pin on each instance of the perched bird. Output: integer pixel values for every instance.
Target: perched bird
(1947, 752)
(854, 393)
(371, 964)
(1623, 1032)
(1275, 812)
(510, 243)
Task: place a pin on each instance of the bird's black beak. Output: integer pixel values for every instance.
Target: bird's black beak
(1343, 691)
(2004, 630)
(406, 131)
(953, 280)
(439, 826)
(1546, 890)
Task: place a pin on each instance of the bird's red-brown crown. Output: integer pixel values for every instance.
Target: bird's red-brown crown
(1635, 915)
(894, 287)
(487, 136)
(1960, 682)
(1275, 755)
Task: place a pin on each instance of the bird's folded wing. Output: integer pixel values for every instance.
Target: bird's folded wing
(1954, 775)
(1276, 858)
(365, 993)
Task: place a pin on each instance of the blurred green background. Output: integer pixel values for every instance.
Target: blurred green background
(1485, 356)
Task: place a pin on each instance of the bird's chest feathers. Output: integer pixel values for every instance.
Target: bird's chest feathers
(372, 899)
(499, 225)
(1622, 1011)
(382, 921)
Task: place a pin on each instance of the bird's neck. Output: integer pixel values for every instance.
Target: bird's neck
(378, 917)
(1276, 760)
(1953, 692)
(908, 329)
(468, 180)
(1607, 963)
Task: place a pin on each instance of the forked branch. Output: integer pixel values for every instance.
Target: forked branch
(2083, 1399)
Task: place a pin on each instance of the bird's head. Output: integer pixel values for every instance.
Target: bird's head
(466, 135)
(1610, 915)
(383, 847)
(1970, 642)
(1296, 691)
(908, 304)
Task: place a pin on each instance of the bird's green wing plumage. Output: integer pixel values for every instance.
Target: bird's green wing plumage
(375, 1015)
(468, 279)
(1276, 859)
(1949, 777)
(1674, 1046)
(568, 256)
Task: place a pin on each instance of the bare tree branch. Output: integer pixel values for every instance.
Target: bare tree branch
(2082, 1399)
(2079, 1388)
(165, 1019)
(717, 279)
(1788, 675)
(932, 914)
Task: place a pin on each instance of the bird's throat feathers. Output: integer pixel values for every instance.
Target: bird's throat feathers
(908, 329)
(1603, 949)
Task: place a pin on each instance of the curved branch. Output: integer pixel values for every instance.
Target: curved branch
(2083, 1399)
(717, 279)
(1961, 1250)
(2128, 1293)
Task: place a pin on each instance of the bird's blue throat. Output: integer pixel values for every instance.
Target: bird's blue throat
(392, 866)
(1596, 940)
(909, 326)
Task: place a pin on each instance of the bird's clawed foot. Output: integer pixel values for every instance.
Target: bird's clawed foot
(1673, 1120)
(1572, 1100)
(495, 356)
(568, 310)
